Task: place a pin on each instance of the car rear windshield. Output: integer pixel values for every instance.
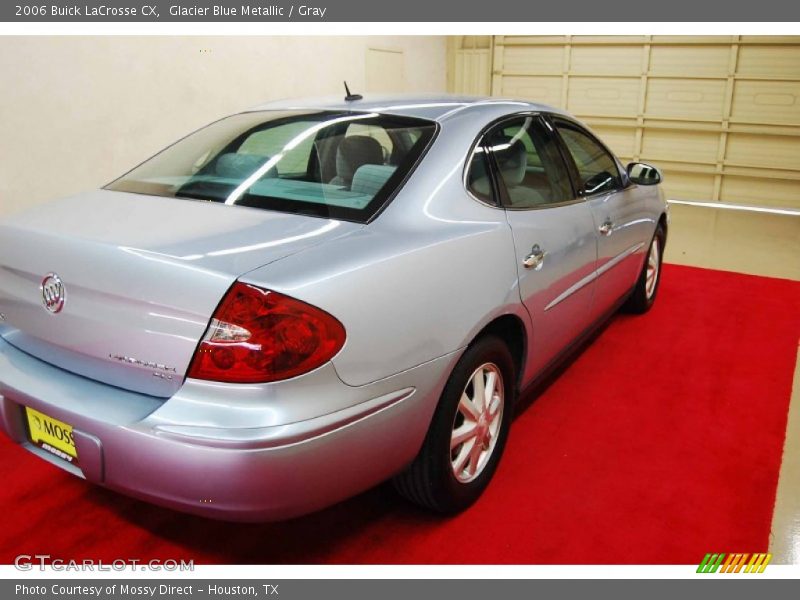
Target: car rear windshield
(342, 165)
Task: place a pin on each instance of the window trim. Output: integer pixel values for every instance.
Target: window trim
(499, 189)
(553, 120)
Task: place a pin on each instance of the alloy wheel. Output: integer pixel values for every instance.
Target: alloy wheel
(477, 422)
(653, 267)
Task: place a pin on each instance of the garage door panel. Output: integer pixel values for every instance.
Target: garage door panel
(622, 140)
(681, 98)
(687, 186)
(769, 151)
(695, 39)
(767, 101)
(540, 89)
(687, 61)
(761, 191)
(665, 144)
(540, 60)
(603, 96)
(610, 60)
(769, 61)
(534, 40)
(609, 39)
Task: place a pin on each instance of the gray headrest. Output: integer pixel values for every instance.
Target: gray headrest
(512, 160)
(354, 152)
(241, 166)
(369, 179)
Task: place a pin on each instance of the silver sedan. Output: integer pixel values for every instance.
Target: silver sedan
(298, 302)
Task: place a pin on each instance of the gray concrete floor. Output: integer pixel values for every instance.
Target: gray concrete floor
(758, 244)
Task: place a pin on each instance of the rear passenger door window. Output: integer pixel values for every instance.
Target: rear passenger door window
(529, 167)
(597, 170)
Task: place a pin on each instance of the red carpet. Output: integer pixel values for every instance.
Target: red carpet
(660, 442)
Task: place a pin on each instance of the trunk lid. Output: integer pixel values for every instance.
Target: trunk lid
(141, 277)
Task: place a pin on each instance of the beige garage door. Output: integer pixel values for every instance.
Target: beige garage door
(720, 115)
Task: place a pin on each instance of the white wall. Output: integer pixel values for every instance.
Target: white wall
(76, 112)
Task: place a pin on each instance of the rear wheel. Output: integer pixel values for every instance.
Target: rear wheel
(644, 294)
(468, 432)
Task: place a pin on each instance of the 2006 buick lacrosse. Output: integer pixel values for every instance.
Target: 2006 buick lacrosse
(303, 300)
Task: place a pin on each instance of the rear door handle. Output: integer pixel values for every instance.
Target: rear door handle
(607, 228)
(535, 259)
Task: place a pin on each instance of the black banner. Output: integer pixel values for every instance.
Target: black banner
(393, 11)
(334, 589)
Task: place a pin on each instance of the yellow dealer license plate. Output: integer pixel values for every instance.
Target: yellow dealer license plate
(52, 435)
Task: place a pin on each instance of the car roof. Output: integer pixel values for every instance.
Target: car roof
(433, 107)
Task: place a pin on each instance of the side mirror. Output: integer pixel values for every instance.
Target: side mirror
(643, 174)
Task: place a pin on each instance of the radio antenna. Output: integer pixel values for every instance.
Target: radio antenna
(351, 97)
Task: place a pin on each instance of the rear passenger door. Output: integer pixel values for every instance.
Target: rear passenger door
(618, 218)
(553, 233)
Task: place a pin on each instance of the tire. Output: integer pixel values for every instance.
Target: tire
(644, 294)
(432, 480)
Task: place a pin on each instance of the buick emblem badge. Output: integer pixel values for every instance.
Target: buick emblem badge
(53, 293)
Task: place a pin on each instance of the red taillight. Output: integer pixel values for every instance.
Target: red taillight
(257, 336)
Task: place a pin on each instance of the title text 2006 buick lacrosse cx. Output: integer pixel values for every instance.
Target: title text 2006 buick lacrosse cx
(300, 301)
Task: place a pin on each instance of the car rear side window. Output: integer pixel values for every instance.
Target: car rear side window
(597, 169)
(333, 164)
(479, 182)
(529, 165)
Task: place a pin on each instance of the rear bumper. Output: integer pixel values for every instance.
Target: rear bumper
(209, 452)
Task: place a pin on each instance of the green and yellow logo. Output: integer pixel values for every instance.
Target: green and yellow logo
(734, 563)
